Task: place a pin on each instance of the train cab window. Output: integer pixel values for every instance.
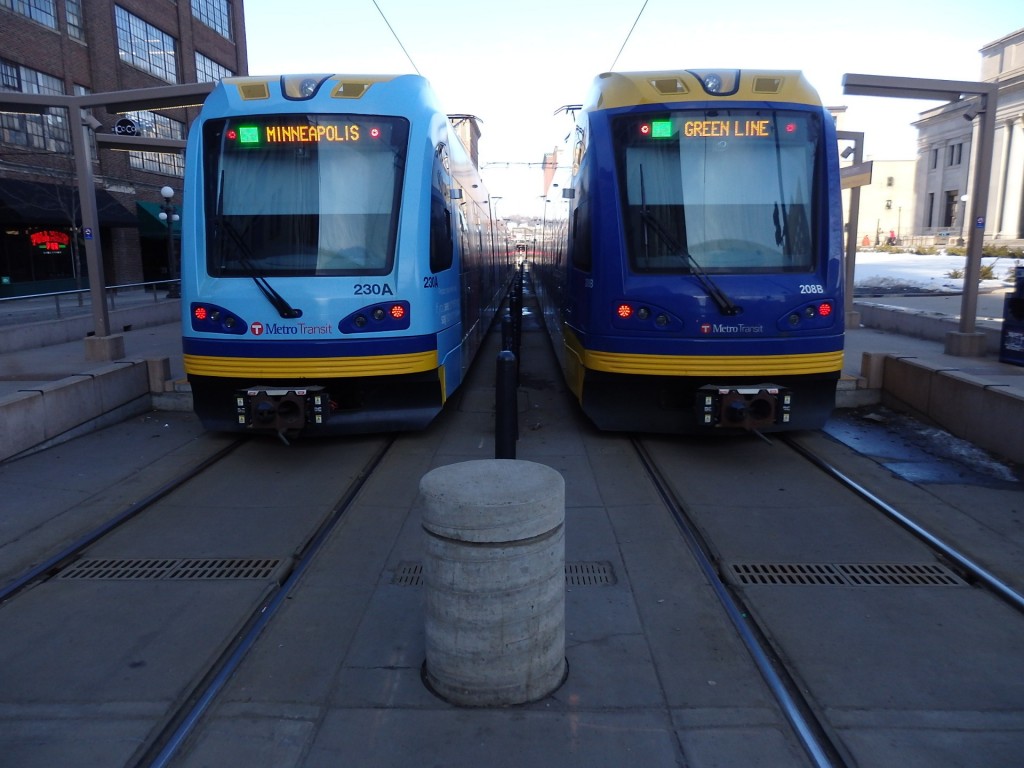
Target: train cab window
(302, 195)
(732, 190)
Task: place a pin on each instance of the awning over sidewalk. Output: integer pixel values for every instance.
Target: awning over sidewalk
(150, 224)
(35, 202)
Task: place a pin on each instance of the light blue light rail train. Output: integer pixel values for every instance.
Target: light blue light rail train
(339, 270)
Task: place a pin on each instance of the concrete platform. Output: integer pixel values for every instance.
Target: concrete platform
(657, 676)
(52, 391)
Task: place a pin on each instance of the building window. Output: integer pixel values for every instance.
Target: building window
(931, 210)
(216, 14)
(37, 10)
(48, 131)
(935, 158)
(209, 71)
(949, 213)
(73, 15)
(144, 46)
(152, 125)
(954, 154)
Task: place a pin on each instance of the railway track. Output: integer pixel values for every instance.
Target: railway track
(54, 563)
(143, 555)
(748, 578)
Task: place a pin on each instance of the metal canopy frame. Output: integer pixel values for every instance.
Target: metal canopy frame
(161, 97)
(983, 99)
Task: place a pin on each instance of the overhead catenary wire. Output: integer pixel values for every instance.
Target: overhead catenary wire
(628, 35)
(397, 39)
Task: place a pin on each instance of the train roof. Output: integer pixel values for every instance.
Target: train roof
(626, 89)
(340, 86)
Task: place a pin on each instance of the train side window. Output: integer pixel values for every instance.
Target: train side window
(441, 248)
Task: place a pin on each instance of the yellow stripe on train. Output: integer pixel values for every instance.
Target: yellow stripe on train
(714, 365)
(322, 367)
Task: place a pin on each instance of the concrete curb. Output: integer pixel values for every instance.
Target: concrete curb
(975, 408)
(920, 323)
(50, 413)
(46, 333)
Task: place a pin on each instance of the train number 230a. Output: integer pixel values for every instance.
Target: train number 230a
(812, 288)
(373, 289)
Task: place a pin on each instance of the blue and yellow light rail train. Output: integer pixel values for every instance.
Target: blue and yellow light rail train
(701, 288)
(338, 261)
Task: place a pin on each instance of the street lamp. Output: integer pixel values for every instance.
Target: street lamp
(169, 214)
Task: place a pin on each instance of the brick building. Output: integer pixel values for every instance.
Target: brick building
(98, 46)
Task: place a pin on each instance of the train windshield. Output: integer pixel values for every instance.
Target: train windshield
(723, 190)
(301, 195)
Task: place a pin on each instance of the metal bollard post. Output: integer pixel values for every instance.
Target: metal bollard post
(516, 310)
(506, 412)
(506, 332)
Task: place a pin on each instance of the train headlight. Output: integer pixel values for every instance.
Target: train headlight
(812, 315)
(209, 318)
(301, 87)
(389, 316)
(643, 318)
(717, 82)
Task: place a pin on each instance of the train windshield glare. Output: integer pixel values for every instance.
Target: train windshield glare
(723, 190)
(302, 195)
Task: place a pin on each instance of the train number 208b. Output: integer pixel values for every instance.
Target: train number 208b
(812, 288)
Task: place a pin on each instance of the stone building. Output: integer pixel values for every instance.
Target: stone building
(80, 47)
(947, 138)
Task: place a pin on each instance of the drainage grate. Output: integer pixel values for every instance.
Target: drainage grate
(583, 574)
(172, 568)
(905, 574)
(408, 575)
(785, 573)
(844, 574)
(589, 574)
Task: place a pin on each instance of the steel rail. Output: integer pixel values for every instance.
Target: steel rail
(976, 571)
(819, 749)
(72, 550)
(178, 728)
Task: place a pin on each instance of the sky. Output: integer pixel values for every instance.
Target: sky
(513, 64)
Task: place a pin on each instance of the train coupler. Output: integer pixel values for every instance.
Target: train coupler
(285, 412)
(744, 407)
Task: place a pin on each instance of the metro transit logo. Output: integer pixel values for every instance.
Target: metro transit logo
(258, 328)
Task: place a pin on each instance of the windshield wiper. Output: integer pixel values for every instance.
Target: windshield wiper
(243, 254)
(722, 301)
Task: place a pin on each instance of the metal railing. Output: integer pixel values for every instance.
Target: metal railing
(34, 307)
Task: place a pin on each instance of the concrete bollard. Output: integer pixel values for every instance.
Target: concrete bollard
(494, 570)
